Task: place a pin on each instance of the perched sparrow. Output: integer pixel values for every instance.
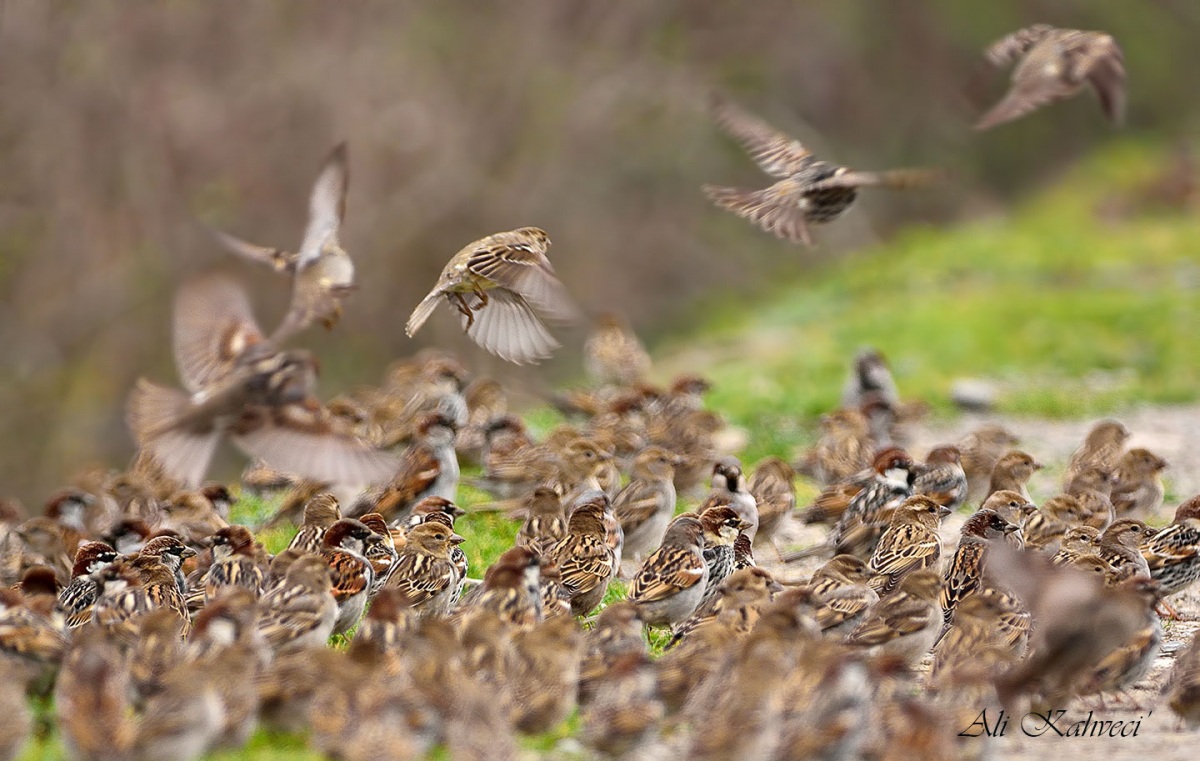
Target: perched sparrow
(1012, 473)
(424, 573)
(503, 285)
(1076, 541)
(1101, 449)
(842, 594)
(1173, 554)
(942, 478)
(809, 191)
(1013, 509)
(616, 632)
(92, 699)
(1183, 685)
(743, 552)
(300, 612)
(1120, 545)
(243, 387)
(234, 564)
(428, 468)
(626, 710)
(843, 449)
(1056, 64)
(868, 511)
(613, 355)
(1130, 661)
(545, 521)
(905, 623)
(428, 506)
(1044, 529)
(321, 271)
(1137, 487)
(320, 512)
(744, 593)
(727, 482)
(184, 720)
(645, 506)
(344, 549)
(771, 485)
(584, 558)
(671, 583)
(964, 575)
(910, 543)
(870, 377)
(722, 527)
(545, 676)
(1097, 507)
(78, 597)
(988, 626)
(981, 450)
(511, 588)
(156, 649)
(380, 554)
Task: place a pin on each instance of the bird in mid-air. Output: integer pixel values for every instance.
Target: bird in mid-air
(1056, 64)
(240, 385)
(505, 290)
(809, 191)
(321, 270)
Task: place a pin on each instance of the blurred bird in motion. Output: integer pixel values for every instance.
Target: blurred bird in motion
(809, 191)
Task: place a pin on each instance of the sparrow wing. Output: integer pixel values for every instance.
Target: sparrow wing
(775, 209)
(275, 258)
(1102, 63)
(668, 571)
(508, 327)
(326, 206)
(898, 179)
(1010, 48)
(775, 153)
(154, 417)
(517, 261)
(213, 327)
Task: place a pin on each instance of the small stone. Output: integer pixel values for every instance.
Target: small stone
(974, 394)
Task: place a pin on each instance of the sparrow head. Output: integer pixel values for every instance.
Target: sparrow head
(438, 505)
(348, 534)
(686, 531)
(504, 424)
(727, 473)
(750, 584)
(610, 321)
(1018, 465)
(309, 572)
(921, 509)
(69, 506)
(1142, 462)
(225, 617)
(655, 462)
(943, 455)
(1066, 508)
(987, 524)
(544, 502)
(446, 369)
(437, 427)
(1081, 537)
(377, 524)
(322, 510)
(220, 498)
(1189, 510)
(434, 538)
(894, 464)
(849, 567)
(91, 557)
(233, 540)
(515, 569)
(720, 524)
(690, 385)
(40, 580)
(588, 514)
(167, 549)
(1106, 433)
(1127, 532)
(846, 421)
(992, 436)
(871, 367)
(1009, 504)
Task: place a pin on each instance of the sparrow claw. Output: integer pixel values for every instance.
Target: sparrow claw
(466, 310)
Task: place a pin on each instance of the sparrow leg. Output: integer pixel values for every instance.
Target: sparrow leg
(1166, 609)
(466, 310)
(331, 318)
(483, 297)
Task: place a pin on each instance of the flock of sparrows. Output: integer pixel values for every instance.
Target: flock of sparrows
(164, 631)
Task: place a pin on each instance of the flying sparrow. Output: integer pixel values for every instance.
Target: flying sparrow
(809, 191)
(242, 387)
(1056, 64)
(504, 286)
(321, 271)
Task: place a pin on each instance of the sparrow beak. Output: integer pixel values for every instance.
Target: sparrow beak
(188, 552)
(1038, 466)
(774, 587)
(458, 512)
(943, 511)
(455, 539)
(1011, 527)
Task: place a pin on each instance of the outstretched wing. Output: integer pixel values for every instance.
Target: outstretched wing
(775, 153)
(326, 205)
(213, 326)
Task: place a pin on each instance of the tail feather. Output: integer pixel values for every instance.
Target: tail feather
(421, 313)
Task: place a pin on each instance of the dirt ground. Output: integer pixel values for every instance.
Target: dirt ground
(1171, 432)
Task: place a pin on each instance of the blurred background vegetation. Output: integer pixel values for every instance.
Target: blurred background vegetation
(122, 123)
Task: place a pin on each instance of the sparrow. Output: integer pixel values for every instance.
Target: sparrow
(745, 592)
(910, 543)
(344, 548)
(92, 699)
(511, 589)
(1137, 487)
(184, 720)
(234, 563)
(240, 386)
(380, 554)
(671, 583)
(989, 631)
(1120, 545)
(1012, 473)
(301, 611)
(625, 713)
(870, 378)
(613, 354)
(964, 574)
(229, 620)
(774, 491)
(808, 191)
(427, 468)
(504, 287)
(1054, 65)
(1130, 661)
(843, 600)
(721, 528)
(545, 674)
(78, 597)
(1044, 529)
(942, 477)
(981, 450)
(320, 512)
(157, 648)
(1183, 685)
(1173, 554)
(905, 623)
(1077, 541)
(322, 272)
(728, 482)
(616, 632)
(1102, 449)
(33, 633)
(862, 522)
(424, 573)
(584, 558)
(545, 521)
(645, 506)
(843, 449)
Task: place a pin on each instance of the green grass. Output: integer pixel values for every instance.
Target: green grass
(1070, 315)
